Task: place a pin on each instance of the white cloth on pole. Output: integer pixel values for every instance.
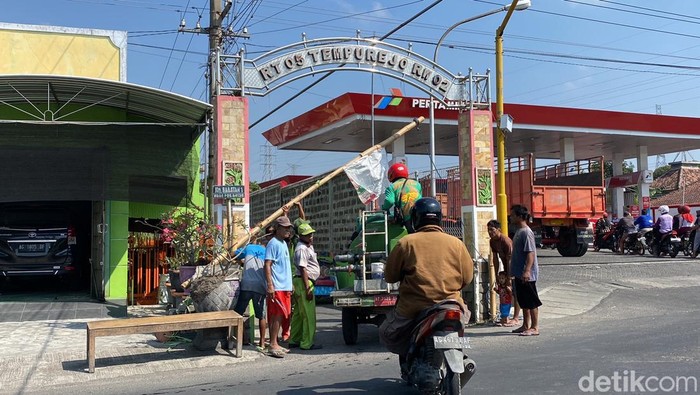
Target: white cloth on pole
(368, 176)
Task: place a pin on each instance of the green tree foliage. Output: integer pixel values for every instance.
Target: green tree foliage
(661, 171)
(627, 168)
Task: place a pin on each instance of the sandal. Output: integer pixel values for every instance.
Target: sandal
(519, 330)
(262, 350)
(530, 332)
(276, 353)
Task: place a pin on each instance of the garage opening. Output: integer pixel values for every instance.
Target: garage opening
(45, 250)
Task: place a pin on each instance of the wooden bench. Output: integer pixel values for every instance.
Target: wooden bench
(128, 326)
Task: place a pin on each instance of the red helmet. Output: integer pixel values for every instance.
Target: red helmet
(396, 171)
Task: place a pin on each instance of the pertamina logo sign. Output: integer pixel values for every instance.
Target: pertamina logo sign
(393, 100)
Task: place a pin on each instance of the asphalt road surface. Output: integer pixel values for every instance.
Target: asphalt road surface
(647, 326)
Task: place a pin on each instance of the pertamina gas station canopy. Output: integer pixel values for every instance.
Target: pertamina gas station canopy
(344, 124)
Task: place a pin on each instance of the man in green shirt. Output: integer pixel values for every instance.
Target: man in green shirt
(401, 195)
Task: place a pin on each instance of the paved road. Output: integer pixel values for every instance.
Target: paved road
(607, 314)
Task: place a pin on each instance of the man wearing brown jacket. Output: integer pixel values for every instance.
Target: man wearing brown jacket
(431, 265)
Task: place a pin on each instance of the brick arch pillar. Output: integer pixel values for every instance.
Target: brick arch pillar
(232, 156)
(476, 159)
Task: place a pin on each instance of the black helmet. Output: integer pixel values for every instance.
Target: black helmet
(426, 211)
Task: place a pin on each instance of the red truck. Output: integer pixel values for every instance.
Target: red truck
(561, 199)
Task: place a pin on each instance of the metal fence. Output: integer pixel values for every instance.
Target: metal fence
(449, 194)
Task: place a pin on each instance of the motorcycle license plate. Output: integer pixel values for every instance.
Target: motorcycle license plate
(442, 342)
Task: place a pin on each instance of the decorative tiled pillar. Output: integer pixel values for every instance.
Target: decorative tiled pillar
(476, 160)
(232, 157)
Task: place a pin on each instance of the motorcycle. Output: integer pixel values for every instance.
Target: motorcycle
(669, 244)
(437, 362)
(607, 240)
(633, 244)
(644, 239)
(686, 243)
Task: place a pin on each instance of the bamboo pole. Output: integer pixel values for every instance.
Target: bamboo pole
(254, 231)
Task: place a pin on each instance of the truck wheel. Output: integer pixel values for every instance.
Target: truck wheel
(564, 250)
(567, 245)
(349, 320)
(568, 248)
(582, 249)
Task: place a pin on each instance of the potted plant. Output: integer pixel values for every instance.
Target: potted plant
(191, 241)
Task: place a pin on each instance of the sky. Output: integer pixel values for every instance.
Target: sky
(622, 55)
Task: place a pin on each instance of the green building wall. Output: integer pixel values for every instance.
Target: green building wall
(117, 245)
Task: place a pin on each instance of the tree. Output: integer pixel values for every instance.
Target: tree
(659, 171)
(627, 168)
(254, 186)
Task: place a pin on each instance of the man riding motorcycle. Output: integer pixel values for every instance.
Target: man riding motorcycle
(432, 266)
(602, 226)
(625, 227)
(663, 225)
(644, 221)
(644, 224)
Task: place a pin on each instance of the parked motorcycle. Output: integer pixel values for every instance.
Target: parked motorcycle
(606, 240)
(437, 362)
(669, 244)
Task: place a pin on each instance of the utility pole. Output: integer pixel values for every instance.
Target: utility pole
(217, 14)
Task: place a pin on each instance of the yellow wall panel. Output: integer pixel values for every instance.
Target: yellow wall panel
(62, 52)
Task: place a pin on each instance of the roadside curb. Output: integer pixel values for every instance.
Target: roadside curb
(571, 298)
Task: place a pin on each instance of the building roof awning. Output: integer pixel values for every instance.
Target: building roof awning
(75, 138)
(75, 96)
(345, 124)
